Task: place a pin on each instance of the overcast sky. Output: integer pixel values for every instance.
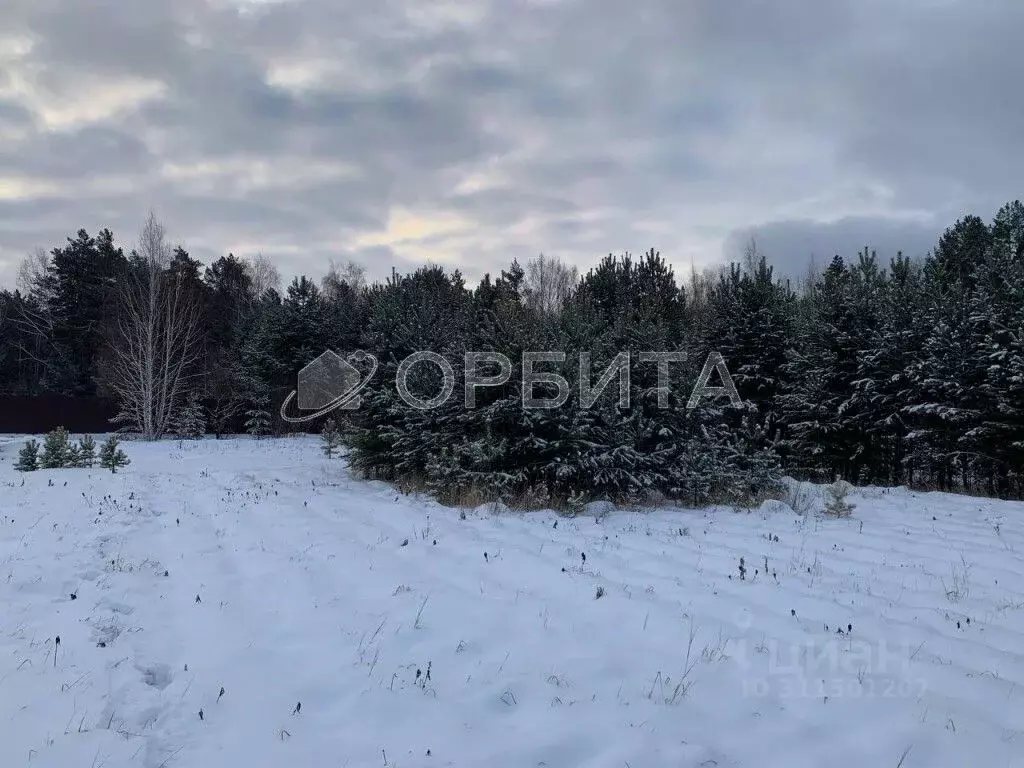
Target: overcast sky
(470, 132)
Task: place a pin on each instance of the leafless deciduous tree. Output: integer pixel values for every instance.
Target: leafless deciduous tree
(549, 283)
(264, 274)
(700, 285)
(353, 275)
(34, 317)
(156, 343)
(32, 271)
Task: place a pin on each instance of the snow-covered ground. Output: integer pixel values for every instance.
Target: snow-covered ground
(413, 637)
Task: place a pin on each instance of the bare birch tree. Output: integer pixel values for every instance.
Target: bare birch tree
(156, 345)
(751, 256)
(34, 317)
(352, 275)
(32, 272)
(264, 275)
(550, 283)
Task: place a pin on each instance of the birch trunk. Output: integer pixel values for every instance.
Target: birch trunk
(156, 345)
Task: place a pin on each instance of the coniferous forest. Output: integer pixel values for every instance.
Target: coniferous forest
(877, 368)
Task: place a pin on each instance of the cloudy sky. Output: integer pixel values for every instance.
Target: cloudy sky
(469, 132)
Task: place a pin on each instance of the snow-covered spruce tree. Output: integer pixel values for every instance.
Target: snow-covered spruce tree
(330, 438)
(57, 319)
(258, 417)
(592, 450)
(111, 455)
(700, 470)
(86, 452)
(497, 449)
(28, 457)
(305, 326)
(191, 422)
(623, 306)
(601, 448)
(835, 501)
(806, 401)
(55, 449)
(883, 384)
(424, 311)
(694, 455)
(947, 404)
(857, 418)
(486, 449)
(533, 455)
(753, 465)
(821, 437)
(652, 447)
(262, 362)
(751, 317)
(998, 322)
(73, 457)
(231, 303)
(948, 378)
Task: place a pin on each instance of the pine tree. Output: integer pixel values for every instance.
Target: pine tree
(191, 424)
(823, 435)
(835, 502)
(997, 320)
(78, 283)
(258, 417)
(73, 457)
(55, 449)
(751, 319)
(331, 438)
(857, 418)
(476, 461)
(28, 457)
(427, 310)
(949, 401)
(86, 451)
(884, 384)
(111, 456)
(750, 459)
(946, 403)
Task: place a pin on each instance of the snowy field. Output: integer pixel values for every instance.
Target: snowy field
(412, 637)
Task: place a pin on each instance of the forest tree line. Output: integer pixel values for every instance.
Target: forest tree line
(909, 371)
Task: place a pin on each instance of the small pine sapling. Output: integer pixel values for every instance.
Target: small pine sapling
(28, 457)
(86, 452)
(257, 421)
(191, 423)
(55, 449)
(575, 503)
(73, 456)
(836, 505)
(331, 438)
(111, 456)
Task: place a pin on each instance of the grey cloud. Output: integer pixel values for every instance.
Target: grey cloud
(696, 122)
(504, 206)
(14, 114)
(79, 154)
